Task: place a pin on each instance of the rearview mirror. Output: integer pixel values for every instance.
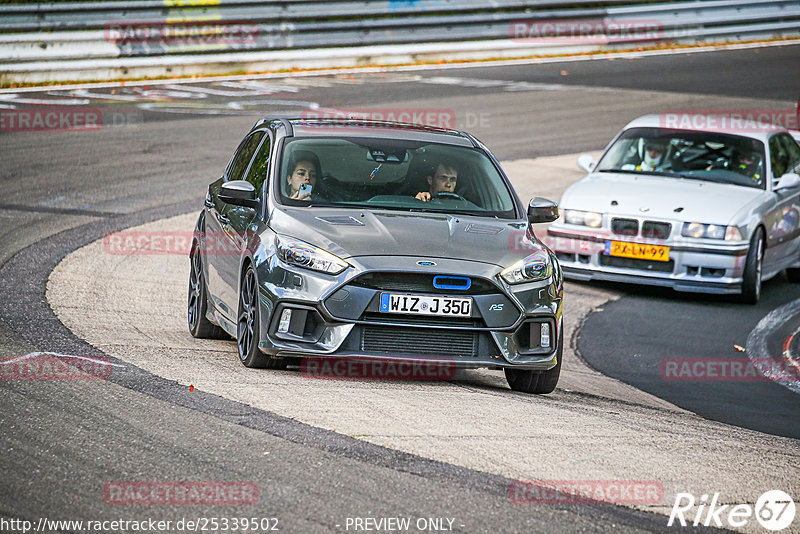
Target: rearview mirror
(542, 210)
(239, 193)
(586, 162)
(788, 181)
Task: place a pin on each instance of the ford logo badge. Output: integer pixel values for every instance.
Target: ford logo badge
(426, 263)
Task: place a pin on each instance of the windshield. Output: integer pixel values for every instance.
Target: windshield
(713, 157)
(392, 174)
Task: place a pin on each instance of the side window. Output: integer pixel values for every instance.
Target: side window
(778, 157)
(260, 168)
(243, 156)
(792, 152)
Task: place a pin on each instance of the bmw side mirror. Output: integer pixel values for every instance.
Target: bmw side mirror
(788, 181)
(542, 210)
(586, 162)
(239, 193)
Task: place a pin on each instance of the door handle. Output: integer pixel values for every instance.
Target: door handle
(223, 219)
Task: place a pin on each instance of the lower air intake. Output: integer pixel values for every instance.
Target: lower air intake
(393, 341)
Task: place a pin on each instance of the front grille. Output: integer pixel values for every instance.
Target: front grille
(656, 230)
(399, 341)
(642, 265)
(418, 282)
(625, 226)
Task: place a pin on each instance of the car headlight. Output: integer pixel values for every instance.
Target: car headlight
(535, 267)
(584, 218)
(710, 231)
(301, 254)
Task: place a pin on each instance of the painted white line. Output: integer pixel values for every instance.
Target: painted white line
(57, 355)
(412, 68)
(757, 349)
(13, 97)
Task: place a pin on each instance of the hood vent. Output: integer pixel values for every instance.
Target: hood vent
(344, 220)
(482, 229)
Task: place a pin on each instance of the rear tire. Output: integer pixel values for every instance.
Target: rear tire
(751, 279)
(248, 326)
(197, 305)
(537, 382)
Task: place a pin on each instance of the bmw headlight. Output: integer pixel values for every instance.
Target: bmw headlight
(535, 267)
(711, 231)
(583, 218)
(301, 254)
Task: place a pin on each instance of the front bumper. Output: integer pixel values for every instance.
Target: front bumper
(701, 266)
(339, 319)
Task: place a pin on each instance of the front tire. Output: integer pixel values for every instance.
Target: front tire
(248, 327)
(751, 279)
(537, 382)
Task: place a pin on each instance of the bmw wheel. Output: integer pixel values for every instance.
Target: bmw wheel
(751, 279)
(197, 305)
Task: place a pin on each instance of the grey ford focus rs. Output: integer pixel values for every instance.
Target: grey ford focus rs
(376, 241)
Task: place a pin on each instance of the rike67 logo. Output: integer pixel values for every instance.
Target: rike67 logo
(774, 510)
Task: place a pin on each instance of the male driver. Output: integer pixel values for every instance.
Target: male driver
(443, 180)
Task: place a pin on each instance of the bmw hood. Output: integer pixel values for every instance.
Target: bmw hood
(657, 197)
(354, 233)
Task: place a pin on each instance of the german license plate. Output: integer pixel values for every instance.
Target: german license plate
(426, 305)
(641, 251)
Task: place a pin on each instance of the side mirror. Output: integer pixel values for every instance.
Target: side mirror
(239, 193)
(586, 162)
(788, 181)
(542, 210)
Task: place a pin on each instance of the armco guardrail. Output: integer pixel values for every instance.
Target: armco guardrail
(97, 40)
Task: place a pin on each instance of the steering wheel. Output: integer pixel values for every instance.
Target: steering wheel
(448, 194)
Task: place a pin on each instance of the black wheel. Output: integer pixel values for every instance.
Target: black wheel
(751, 279)
(538, 382)
(197, 305)
(793, 275)
(248, 326)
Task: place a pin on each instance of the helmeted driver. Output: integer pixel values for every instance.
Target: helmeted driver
(654, 156)
(746, 162)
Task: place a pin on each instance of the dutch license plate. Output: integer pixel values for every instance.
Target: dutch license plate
(426, 305)
(639, 251)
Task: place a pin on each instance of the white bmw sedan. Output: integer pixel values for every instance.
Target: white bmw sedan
(713, 210)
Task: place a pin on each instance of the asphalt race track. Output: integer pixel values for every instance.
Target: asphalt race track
(62, 442)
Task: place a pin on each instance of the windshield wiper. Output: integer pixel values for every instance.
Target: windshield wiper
(648, 173)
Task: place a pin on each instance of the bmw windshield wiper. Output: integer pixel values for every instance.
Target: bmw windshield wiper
(649, 173)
